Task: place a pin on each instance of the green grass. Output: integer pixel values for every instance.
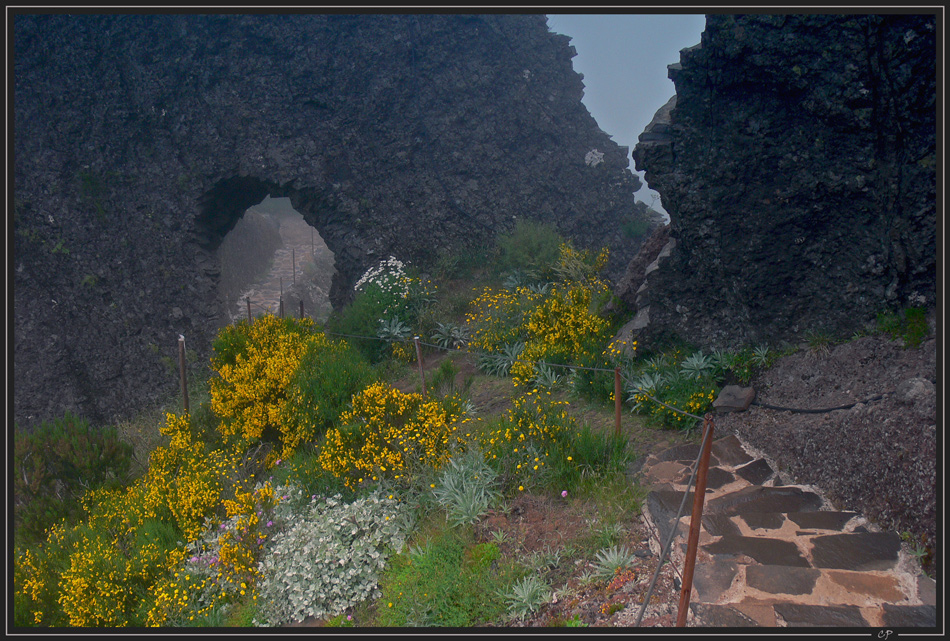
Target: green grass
(909, 325)
(445, 579)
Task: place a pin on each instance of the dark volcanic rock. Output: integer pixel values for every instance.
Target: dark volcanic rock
(797, 164)
(142, 139)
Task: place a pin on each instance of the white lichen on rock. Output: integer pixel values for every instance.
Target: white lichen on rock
(594, 158)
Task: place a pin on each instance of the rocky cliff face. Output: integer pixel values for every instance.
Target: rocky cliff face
(141, 140)
(797, 163)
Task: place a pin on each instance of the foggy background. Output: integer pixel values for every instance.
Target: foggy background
(624, 60)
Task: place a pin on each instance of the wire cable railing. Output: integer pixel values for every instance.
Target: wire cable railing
(634, 387)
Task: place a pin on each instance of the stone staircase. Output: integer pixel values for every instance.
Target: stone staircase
(778, 555)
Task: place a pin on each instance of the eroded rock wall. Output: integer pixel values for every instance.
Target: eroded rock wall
(140, 140)
(797, 163)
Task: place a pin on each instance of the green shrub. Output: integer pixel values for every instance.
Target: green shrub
(611, 560)
(54, 465)
(449, 581)
(527, 595)
(594, 456)
(466, 488)
(909, 325)
(687, 384)
(330, 559)
(531, 247)
(327, 377)
(386, 295)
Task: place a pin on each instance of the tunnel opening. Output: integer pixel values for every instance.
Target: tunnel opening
(272, 261)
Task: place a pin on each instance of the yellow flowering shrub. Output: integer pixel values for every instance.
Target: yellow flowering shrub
(579, 265)
(180, 597)
(692, 397)
(32, 594)
(557, 324)
(564, 328)
(498, 317)
(255, 365)
(521, 446)
(187, 477)
(386, 433)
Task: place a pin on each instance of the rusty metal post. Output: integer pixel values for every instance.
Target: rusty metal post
(250, 321)
(422, 373)
(617, 402)
(293, 264)
(695, 522)
(280, 310)
(181, 367)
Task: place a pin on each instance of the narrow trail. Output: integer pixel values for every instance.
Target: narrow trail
(298, 271)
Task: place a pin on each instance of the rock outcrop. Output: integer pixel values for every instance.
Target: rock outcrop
(797, 162)
(140, 140)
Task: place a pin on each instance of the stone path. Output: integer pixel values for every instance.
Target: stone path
(286, 270)
(777, 555)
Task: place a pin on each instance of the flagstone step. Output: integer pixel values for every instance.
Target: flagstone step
(778, 555)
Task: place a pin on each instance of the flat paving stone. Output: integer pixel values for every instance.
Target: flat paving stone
(663, 506)
(881, 587)
(776, 579)
(686, 451)
(927, 590)
(717, 478)
(822, 520)
(909, 616)
(764, 550)
(763, 520)
(667, 472)
(719, 524)
(720, 616)
(756, 498)
(729, 451)
(712, 579)
(822, 616)
(756, 472)
(856, 551)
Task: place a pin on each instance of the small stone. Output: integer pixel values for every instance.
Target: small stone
(733, 398)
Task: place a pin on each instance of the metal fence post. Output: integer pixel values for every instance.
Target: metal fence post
(181, 367)
(422, 373)
(617, 402)
(695, 522)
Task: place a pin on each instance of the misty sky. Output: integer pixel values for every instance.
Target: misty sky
(624, 59)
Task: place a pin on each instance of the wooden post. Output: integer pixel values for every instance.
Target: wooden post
(617, 401)
(181, 367)
(301, 309)
(250, 321)
(422, 373)
(281, 308)
(694, 523)
(293, 264)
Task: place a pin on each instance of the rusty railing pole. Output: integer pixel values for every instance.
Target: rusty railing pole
(422, 373)
(694, 523)
(250, 320)
(617, 401)
(181, 367)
